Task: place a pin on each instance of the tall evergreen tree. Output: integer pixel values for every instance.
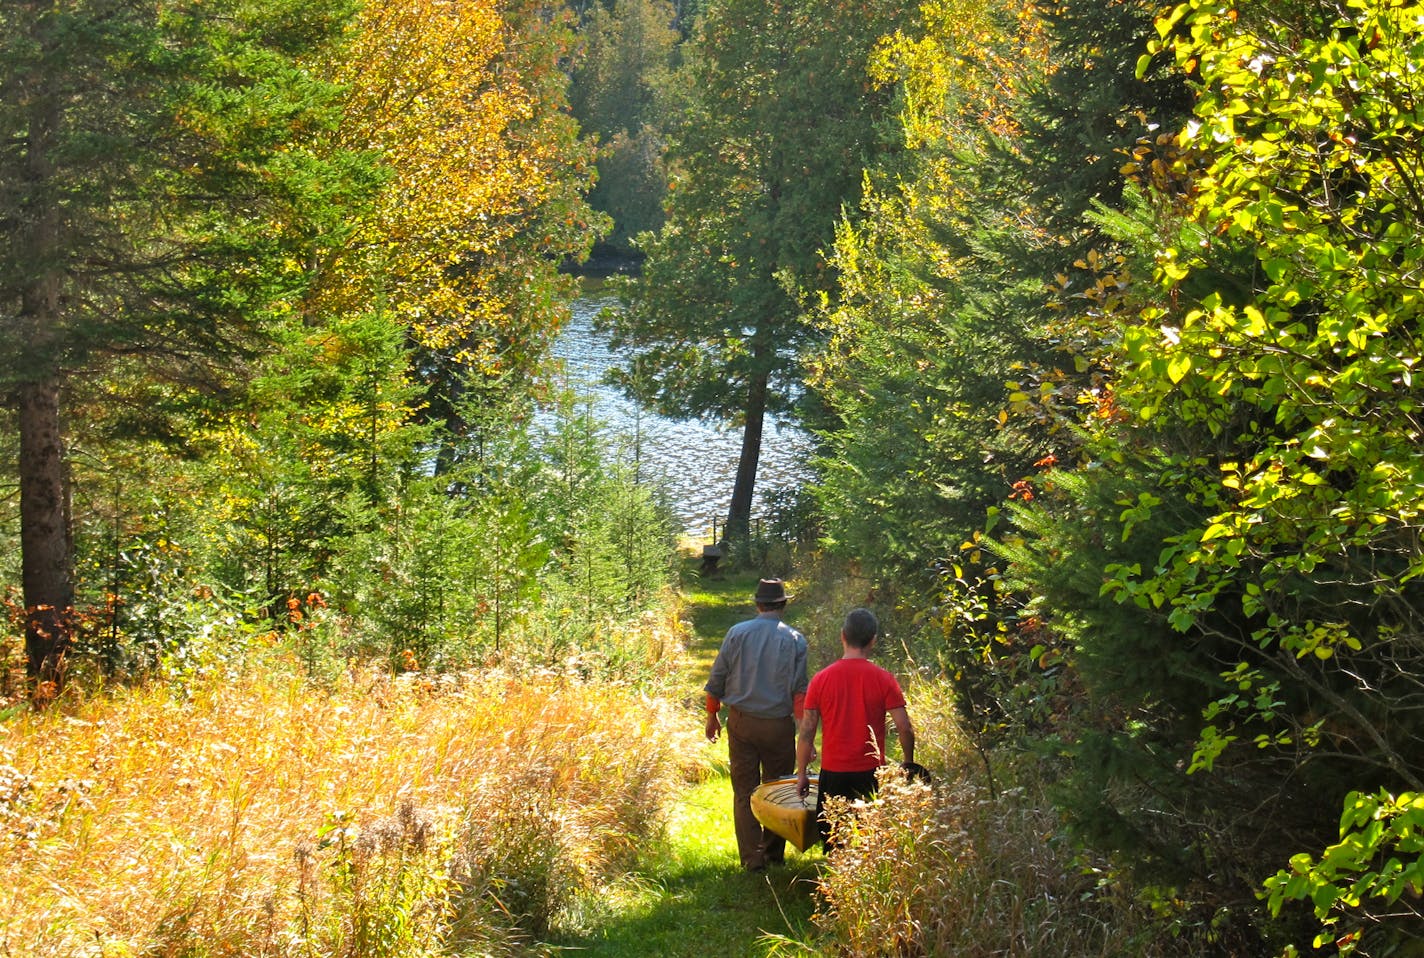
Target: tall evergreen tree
(153, 207)
(768, 147)
(1085, 118)
(923, 334)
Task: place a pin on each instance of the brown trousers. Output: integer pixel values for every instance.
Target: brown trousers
(759, 750)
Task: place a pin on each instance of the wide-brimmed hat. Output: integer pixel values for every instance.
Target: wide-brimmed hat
(770, 592)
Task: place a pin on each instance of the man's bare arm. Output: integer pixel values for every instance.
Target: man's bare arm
(806, 748)
(905, 731)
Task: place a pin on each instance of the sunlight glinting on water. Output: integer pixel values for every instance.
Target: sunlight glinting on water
(696, 461)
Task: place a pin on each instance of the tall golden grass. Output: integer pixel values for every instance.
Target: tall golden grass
(264, 816)
(962, 869)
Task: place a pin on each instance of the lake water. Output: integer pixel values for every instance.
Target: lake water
(696, 461)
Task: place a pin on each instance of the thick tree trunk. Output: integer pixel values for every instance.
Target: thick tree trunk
(739, 513)
(46, 544)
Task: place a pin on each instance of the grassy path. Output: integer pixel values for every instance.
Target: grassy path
(695, 900)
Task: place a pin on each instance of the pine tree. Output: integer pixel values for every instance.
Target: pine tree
(152, 210)
(927, 323)
(777, 124)
(1084, 120)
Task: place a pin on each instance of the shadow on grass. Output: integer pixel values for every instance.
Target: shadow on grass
(712, 910)
(693, 898)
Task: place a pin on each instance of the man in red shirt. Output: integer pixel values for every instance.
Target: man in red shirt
(850, 698)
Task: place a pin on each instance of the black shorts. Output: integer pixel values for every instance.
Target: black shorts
(847, 785)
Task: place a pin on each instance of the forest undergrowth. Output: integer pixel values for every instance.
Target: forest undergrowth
(263, 812)
(376, 815)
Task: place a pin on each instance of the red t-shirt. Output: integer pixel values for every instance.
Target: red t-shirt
(853, 697)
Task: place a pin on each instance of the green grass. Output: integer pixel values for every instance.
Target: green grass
(693, 898)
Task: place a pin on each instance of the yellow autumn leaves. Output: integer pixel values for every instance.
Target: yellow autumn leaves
(450, 95)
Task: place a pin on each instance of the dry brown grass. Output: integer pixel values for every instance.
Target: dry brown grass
(263, 817)
(956, 870)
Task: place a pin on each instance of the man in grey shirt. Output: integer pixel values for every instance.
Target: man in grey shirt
(760, 675)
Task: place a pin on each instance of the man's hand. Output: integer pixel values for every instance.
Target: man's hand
(806, 749)
(714, 726)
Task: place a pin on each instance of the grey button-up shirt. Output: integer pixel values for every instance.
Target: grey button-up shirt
(760, 668)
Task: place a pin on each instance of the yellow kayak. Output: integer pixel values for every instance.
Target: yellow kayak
(777, 806)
